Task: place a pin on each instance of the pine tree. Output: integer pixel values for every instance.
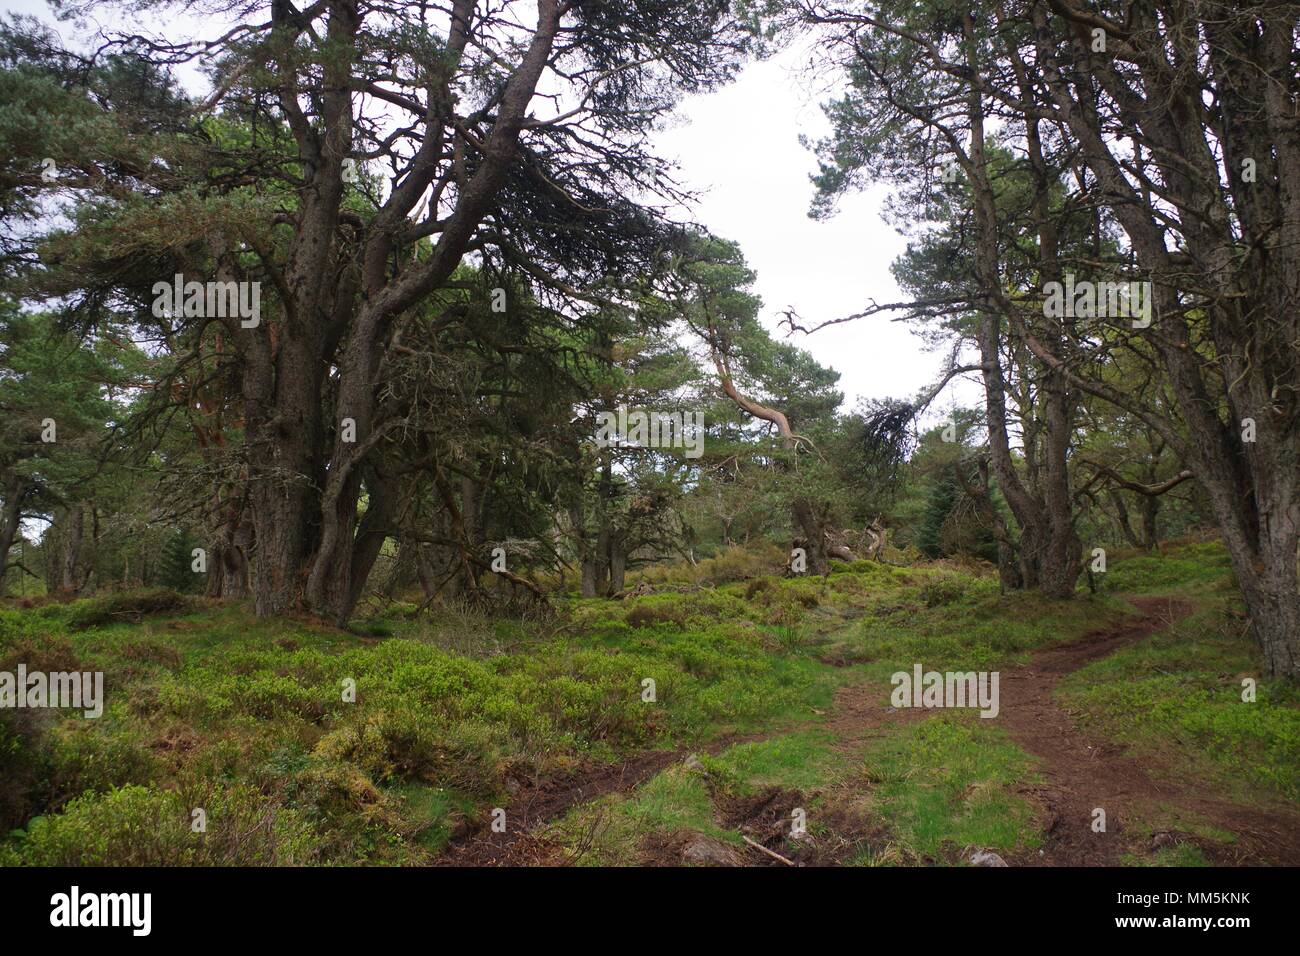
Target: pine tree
(175, 569)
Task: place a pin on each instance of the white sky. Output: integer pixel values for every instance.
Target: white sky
(739, 148)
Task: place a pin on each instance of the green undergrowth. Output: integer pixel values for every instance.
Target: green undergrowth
(971, 628)
(804, 760)
(615, 830)
(1177, 697)
(306, 744)
(378, 748)
(1184, 566)
(618, 829)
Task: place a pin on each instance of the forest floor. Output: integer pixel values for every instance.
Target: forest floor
(1076, 773)
(767, 736)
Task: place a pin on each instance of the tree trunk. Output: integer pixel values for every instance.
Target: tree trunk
(11, 517)
(314, 549)
(582, 544)
(1244, 241)
(590, 582)
(1264, 559)
(600, 560)
(813, 532)
(1049, 548)
(1121, 518)
(1150, 506)
(1009, 575)
(68, 567)
(1062, 550)
(1269, 587)
(617, 568)
(424, 571)
(283, 421)
(228, 555)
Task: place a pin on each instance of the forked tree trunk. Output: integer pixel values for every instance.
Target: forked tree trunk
(314, 549)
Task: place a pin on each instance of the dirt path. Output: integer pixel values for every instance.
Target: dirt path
(1082, 774)
(1079, 773)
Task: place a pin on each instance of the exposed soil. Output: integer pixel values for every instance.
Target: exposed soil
(838, 831)
(540, 801)
(1079, 774)
(766, 817)
(1082, 774)
(687, 846)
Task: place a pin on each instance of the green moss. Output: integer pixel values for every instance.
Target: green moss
(798, 761)
(1180, 854)
(948, 783)
(613, 830)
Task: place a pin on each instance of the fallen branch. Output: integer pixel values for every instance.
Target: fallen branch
(772, 853)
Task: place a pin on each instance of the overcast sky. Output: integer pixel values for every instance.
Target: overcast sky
(739, 148)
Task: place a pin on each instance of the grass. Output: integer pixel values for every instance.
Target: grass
(974, 628)
(1168, 819)
(613, 830)
(947, 784)
(210, 708)
(433, 809)
(1172, 568)
(1180, 854)
(616, 829)
(1177, 698)
(436, 725)
(804, 760)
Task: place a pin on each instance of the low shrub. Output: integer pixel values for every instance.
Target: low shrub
(400, 743)
(125, 606)
(143, 826)
(942, 590)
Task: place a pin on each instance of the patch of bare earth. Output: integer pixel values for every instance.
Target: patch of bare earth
(1079, 774)
(1082, 774)
(542, 800)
